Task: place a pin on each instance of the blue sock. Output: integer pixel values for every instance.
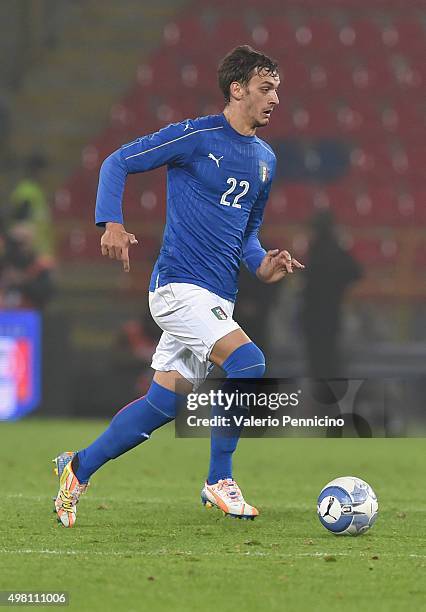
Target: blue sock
(131, 426)
(247, 361)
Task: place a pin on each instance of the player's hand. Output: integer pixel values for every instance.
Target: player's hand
(275, 265)
(115, 243)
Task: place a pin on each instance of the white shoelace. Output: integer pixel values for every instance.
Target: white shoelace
(232, 490)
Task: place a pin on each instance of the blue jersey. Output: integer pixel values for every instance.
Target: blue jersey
(218, 182)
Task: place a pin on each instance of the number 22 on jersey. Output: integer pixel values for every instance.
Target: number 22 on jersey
(245, 185)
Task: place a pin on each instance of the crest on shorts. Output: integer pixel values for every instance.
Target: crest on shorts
(263, 171)
(219, 313)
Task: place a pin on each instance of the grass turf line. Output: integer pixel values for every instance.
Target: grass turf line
(144, 541)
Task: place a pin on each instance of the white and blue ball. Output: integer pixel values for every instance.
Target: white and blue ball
(347, 506)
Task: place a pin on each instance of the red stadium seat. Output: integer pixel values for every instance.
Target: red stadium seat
(319, 76)
(420, 256)
(314, 118)
(371, 76)
(76, 198)
(418, 196)
(400, 118)
(409, 211)
(187, 33)
(290, 204)
(324, 34)
(230, 32)
(81, 242)
(280, 39)
(343, 203)
(337, 195)
(410, 163)
(407, 76)
(349, 120)
(410, 36)
(375, 251)
(295, 77)
(367, 36)
(145, 196)
(369, 208)
(364, 165)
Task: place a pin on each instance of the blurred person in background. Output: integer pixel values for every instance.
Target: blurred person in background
(25, 275)
(329, 273)
(29, 203)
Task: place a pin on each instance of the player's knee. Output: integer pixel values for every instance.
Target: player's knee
(247, 361)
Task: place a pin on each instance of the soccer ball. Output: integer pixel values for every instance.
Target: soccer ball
(347, 506)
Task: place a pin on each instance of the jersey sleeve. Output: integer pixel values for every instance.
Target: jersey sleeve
(172, 145)
(253, 252)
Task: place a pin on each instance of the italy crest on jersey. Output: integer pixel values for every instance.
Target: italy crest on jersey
(263, 171)
(219, 313)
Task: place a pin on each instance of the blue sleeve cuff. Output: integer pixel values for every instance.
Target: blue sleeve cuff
(253, 258)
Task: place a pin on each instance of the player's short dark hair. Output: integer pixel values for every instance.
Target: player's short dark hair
(240, 64)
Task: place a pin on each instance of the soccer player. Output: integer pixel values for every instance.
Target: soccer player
(219, 174)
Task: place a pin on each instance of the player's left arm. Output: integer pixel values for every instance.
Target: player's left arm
(268, 266)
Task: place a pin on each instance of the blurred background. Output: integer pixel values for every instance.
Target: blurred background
(80, 78)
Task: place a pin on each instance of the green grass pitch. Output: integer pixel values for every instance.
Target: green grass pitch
(143, 541)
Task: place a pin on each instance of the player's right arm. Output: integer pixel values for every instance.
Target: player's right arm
(172, 145)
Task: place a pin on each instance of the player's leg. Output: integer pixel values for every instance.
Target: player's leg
(225, 346)
(239, 358)
(174, 381)
(131, 426)
(202, 323)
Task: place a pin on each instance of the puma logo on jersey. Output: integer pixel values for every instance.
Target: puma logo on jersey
(215, 159)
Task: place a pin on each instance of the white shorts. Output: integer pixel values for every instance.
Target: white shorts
(192, 319)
